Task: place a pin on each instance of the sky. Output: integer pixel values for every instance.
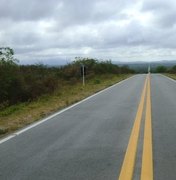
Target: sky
(57, 31)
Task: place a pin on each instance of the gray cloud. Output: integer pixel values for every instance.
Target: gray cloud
(62, 29)
(24, 10)
(164, 12)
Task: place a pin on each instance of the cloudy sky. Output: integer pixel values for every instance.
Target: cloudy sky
(53, 31)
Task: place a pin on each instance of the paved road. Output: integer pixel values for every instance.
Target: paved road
(89, 141)
(164, 127)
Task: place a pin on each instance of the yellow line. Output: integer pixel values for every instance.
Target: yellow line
(147, 157)
(129, 160)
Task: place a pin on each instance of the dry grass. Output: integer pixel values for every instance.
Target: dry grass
(18, 116)
(173, 76)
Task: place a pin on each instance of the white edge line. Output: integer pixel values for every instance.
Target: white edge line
(7, 138)
(57, 113)
(168, 78)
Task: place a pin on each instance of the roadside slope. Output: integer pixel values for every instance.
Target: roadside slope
(21, 115)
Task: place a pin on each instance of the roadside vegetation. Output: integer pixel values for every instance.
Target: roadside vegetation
(164, 69)
(168, 71)
(29, 93)
(173, 76)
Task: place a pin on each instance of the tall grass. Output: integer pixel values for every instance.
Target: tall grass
(22, 114)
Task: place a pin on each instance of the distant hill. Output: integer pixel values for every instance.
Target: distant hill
(143, 66)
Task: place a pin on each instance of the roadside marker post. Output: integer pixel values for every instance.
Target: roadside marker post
(83, 73)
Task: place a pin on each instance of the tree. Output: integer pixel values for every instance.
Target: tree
(173, 70)
(7, 56)
(161, 69)
(9, 76)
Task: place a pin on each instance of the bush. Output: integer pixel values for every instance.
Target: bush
(97, 81)
(161, 69)
(173, 69)
(21, 83)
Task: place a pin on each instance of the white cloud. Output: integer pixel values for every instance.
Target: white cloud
(115, 29)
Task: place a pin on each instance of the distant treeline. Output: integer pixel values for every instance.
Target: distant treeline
(19, 83)
(164, 69)
(154, 67)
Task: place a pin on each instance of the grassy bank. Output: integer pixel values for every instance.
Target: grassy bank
(173, 76)
(18, 116)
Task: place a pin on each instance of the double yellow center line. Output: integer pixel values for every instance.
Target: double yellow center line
(130, 156)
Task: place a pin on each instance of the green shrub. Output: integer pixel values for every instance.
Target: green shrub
(19, 83)
(97, 81)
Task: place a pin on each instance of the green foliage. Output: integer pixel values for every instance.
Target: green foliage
(11, 109)
(161, 69)
(173, 69)
(6, 56)
(19, 83)
(101, 67)
(97, 81)
(9, 76)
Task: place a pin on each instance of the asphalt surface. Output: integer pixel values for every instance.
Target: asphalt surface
(89, 140)
(164, 127)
